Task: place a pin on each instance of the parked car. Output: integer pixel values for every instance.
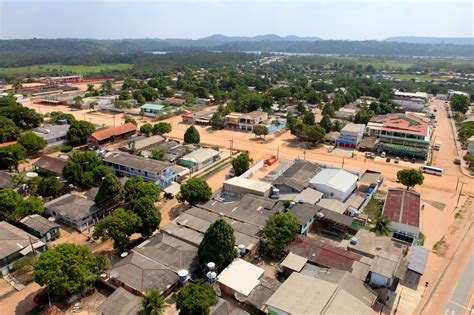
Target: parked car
(383, 154)
(388, 160)
(413, 160)
(369, 155)
(406, 159)
(397, 159)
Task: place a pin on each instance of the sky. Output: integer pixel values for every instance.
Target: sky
(328, 19)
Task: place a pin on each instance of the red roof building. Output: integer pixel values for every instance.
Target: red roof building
(175, 101)
(403, 209)
(112, 134)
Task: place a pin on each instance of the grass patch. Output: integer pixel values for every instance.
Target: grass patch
(373, 208)
(440, 247)
(424, 77)
(76, 69)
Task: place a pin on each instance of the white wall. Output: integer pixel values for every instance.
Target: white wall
(330, 192)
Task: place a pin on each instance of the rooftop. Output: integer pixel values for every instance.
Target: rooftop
(174, 100)
(241, 276)
(304, 212)
(353, 128)
(251, 184)
(183, 233)
(142, 142)
(309, 195)
(418, 259)
(51, 163)
(152, 106)
(298, 175)
(201, 155)
(403, 206)
(114, 131)
(52, 131)
(38, 223)
(385, 264)
(5, 180)
(255, 114)
(121, 302)
(370, 244)
(13, 239)
(407, 123)
(294, 262)
(72, 206)
(261, 293)
(136, 162)
(337, 179)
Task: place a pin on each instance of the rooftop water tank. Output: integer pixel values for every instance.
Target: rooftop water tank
(183, 275)
(356, 213)
(211, 266)
(354, 240)
(292, 204)
(240, 250)
(211, 276)
(31, 174)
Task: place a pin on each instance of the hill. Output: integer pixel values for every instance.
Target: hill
(432, 40)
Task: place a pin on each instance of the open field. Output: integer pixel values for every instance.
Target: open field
(41, 69)
(424, 77)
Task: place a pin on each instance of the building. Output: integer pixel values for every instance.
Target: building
(405, 135)
(451, 93)
(50, 164)
(128, 165)
(335, 183)
(249, 120)
(403, 209)
(199, 158)
(305, 213)
(175, 101)
(6, 180)
(308, 195)
(121, 302)
(346, 113)
(350, 136)
(295, 176)
(143, 142)
(53, 134)
(64, 79)
(239, 277)
(232, 120)
(151, 110)
(239, 186)
(74, 210)
(470, 145)
(200, 118)
(44, 229)
(111, 134)
(369, 244)
(411, 101)
(15, 244)
(321, 292)
(293, 262)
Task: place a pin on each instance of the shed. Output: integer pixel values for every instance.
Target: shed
(240, 186)
(335, 183)
(240, 276)
(294, 262)
(41, 227)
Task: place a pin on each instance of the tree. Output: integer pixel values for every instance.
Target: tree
(410, 177)
(31, 142)
(78, 101)
(313, 97)
(10, 156)
(55, 116)
(159, 155)
(216, 121)
(22, 117)
(146, 129)
(79, 131)
(106, 87)
(460, 103)
(326, 123)
(195, 190)
(192, 135)
(218, 244)
(328, 109)
(79, 167)
(363, 116)
(196, 299)
(99, 173)
(308, 118)
(241, 163)
(118, 226)
(153, 303)
(50, 187)
(92, 105)
(150, 216)
(8, 130)
(28, 206)
(136, 187)
(279, 231)
(314, 133)
(67, 269)
(381, 226)
(110, 191)
(9, 200)
(260, 130)
(130, 120)
(161, 128)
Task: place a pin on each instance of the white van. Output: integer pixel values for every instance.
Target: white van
(437, 146)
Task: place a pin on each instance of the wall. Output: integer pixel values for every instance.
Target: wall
(253, 169)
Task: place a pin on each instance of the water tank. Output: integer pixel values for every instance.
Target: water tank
(183, 275)
(240, 250)
(320, 215)
(356, 213)
(292, 204)
(51, 219)
(211, 266)
(211, 276)
(354, 240)
(124, 254)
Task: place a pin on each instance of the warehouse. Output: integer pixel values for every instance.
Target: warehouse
(238, 186)
(335, 183)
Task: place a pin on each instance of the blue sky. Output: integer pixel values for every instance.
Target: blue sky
(329, 19)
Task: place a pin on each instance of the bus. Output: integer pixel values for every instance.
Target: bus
(431, 170)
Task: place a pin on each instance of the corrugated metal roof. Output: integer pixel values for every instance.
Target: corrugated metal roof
(418, 259)
(337, 179)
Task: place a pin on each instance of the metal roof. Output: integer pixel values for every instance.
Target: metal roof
(200, 155)
(298, 175)
(418, 259)
(337, 179)
(152, 106)
(241, 276)
(137, 162)
(121, 302)
(38, 223)
(13, 239)
(403, 206)
(294, 262)
(250, 184)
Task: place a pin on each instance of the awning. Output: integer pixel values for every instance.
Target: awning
(346, 141)
(25, 251)
(418, 259)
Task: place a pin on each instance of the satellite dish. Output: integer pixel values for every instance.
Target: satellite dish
(31, 174)
(51, 219)
(124, 254)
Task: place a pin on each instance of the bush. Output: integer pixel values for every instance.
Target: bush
(66, 148)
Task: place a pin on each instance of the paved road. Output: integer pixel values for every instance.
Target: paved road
(461, 294)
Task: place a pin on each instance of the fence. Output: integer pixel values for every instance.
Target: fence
(253, 169)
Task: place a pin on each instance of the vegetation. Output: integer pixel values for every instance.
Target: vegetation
(260, 130)
(192, 136)
(110, 192)
(79, 131)
(159, 155)
(460, 103)
(161, 128)
(241, 163)
(217, 122)
(50, 187)
(410, 177)
(153, 303)
(218, 244)
(279, 231)
(79, 168)
(8, 130)
(196, 299)
(195, 190)
(14, 207)
(146, 129)
(136, 187)
(150, 216)
(10, 156)
(381, 226)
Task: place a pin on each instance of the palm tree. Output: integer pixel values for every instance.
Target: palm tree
(153, 303)
(381, 226)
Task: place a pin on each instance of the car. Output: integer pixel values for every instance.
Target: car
(397, 159)
(169, 195)
(369, 155)
(413, 160)
(388, 160)
(406, 159)
(383, 154)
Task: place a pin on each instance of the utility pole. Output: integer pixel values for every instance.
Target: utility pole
(278, 153)
(459, 196)
(231, 145)
(84, 116)
(32, 247)
(114, 119)
(305, 154)
(457, 184)
(342, 162)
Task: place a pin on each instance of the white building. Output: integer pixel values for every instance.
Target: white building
(335, 183)
(470, 145)
(239, 186)
(200, 158)
(350, 135)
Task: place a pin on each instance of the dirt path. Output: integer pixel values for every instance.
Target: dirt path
(20, 302)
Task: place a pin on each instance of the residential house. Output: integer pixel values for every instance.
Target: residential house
(411, 101)
(232, 120)
(248, 121)
(239, 277)
(111, 134)
(350, 136)
(151, 110)
(128, 165)
(121, 302)
(305, 213)
(6, 179)
(143, 142)
(335, 183)
(50, 164)
(175, 101)
(53, 134)
(16, 244)
(346, 113)
(39, 226)
(239, 186)
(200, 118)
(403, 209)
(199, 158)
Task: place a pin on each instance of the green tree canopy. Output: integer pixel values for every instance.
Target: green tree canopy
(146, 129)
(381, 226)
(410, 177)
(136, 187)
(460, 103)
(279, 231)
(67, 269)
(8, 130)
(55, 116)
(31, 142)
(308, 118)
(161, 128)
(312, 133)
(260, 130)
(10, 156)
(50, 187)
(118, 226)
(217, 122)
(218, 244)
(326, 123)
(149, 215)
(153, 303)
(159, 155)
(241, 163)
(131, 121)
(196, 299)
(110, 192)
(192, 135)
(30, 205)
(79, 167)
(9, 200)
(99, 173)
(23, 117)
(79, 131)
(363, 116)
(195, 190)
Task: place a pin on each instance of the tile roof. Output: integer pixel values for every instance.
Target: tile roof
(114, 131)
(406, 123)
(174, 100)
(51, 163)
(403, 206)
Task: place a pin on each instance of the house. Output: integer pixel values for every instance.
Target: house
(370, 244)
(260, 294)
(143, 142)
(200, 118)
(350, 136)
(403, 209)
(470, 145)
(335, 292)
(151, 110)
(331, 137)
(308, 195)
(295, 176)
(249, 120)
(346, 113)
(128, 165)
(50, 164)
(451, 93)
(15, 244)
(175, 101)
(74, 210)
(64, 79)
(39, 226)
(111, 134)
(334, 183)
(239, 277)
(305, 213)
(293, 262)
(238, 186)
(384, 270)
(199, 158)
(6, 180)
(121, 302)
(53, 134)
(232, 120)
